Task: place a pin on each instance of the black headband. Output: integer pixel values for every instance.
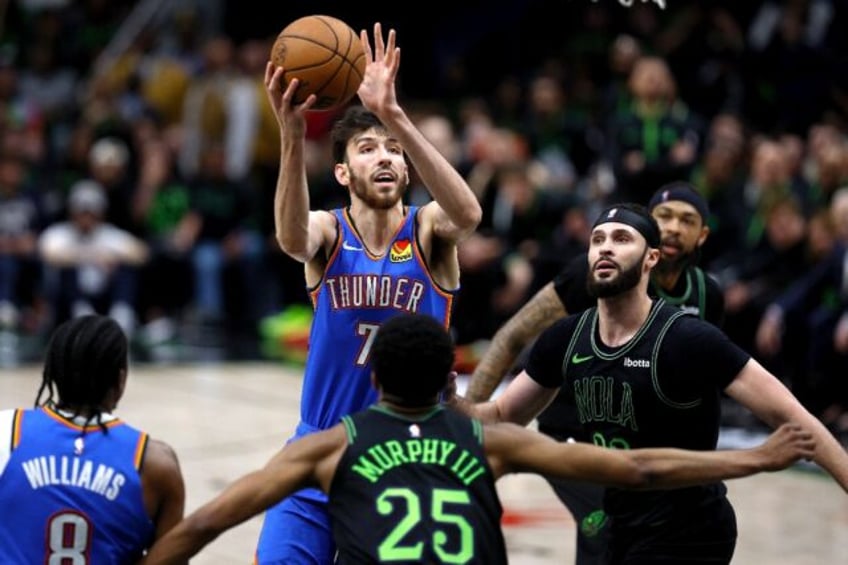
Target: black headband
(642, 223)
(685, 193)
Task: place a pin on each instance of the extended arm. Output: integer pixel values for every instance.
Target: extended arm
(533, 318)
(456, 211)
(514, 449)
(523, 400)
(770, 400)
(300, 233)
(309, 461)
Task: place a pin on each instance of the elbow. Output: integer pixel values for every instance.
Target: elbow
(292, 247)
(640, 476)
(203, 528)
(468, 221)
(473, 216)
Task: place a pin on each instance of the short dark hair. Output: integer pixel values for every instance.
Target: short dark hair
(356, 119)
(84, 360)
(411, 358)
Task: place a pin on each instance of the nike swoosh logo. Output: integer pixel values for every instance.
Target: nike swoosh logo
(577, 359)
(348, 247)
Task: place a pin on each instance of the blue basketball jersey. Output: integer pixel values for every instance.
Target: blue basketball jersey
(69, 497)
(360, 291)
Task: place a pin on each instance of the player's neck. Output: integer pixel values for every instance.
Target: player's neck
(81, 417)
(620, 317)
(376, 227)
(395, 405)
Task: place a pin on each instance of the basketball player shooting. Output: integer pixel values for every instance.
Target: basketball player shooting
(363, 263)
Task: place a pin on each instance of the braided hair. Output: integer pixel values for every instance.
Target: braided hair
(83, 364)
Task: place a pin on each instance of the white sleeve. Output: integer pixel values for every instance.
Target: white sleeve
(56, 240)
(7, 419)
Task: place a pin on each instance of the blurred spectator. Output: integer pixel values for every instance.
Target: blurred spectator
(90, 264)
(769, 180)
(793, 151)
(704, 43)
(753, 276)
(482, 254)
(508, 102)
(69, 165)
(820, 137)
(439, 130)
(51, 87)
(811, 313)
(252, 57)
(719, 176)
(161, 207)
(831, 172)
(520, 213)
(657, 140)
(221, 108)
(226, 247)
(20, 222)
(791, 66)
(22, 123)
(568, 238)
(624, 52)
(109, 164)
(555, 134)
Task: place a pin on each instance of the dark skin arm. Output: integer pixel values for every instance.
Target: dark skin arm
(512, 448)
(311, 461)
(163, 486)
(308, 462)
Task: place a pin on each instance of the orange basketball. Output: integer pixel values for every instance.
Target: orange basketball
(325, 54)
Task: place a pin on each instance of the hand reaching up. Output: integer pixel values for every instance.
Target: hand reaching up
(377, 91)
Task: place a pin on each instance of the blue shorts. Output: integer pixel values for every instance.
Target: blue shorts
(297, 530)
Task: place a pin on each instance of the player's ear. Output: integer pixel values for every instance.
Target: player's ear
(705, 232)
(342, 174)
(652, 257)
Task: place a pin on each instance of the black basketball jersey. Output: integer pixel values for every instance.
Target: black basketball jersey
(626, 400)
(696, 293)
(415, 490)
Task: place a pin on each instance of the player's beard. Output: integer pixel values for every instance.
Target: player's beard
(627, 279)
(376, 201)
(676, 264)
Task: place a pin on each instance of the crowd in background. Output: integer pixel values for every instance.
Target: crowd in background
(142, 188)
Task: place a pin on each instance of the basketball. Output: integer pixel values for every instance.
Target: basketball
(325, 55)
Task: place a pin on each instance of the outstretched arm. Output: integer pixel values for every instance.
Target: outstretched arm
(456, 211)
(514, 449)
(769, 399)
(523, 400)
(309, 461)
(538, 314)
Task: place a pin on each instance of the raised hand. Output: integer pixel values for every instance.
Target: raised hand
(377, 90)
(290, 117)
